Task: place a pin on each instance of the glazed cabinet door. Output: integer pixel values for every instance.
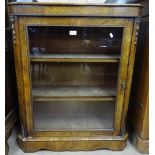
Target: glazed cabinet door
(74, 74)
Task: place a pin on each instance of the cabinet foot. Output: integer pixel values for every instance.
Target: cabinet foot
(140, 144)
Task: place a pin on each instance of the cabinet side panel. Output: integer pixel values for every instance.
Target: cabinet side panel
(26, 76)
(130, 70)
(19, 72)
(139, 99)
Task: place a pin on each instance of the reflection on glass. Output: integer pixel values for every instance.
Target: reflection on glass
(74, 40)
(74, 95)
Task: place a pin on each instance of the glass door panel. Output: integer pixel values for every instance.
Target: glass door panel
(74, 74)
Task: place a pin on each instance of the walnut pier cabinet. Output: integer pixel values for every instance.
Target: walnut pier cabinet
(74, 65)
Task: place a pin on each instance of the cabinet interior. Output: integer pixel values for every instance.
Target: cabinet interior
(74, 73)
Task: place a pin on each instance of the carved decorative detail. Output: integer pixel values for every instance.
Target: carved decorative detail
(137, 30)
(22, 130)
(12, 20)
(123, 85)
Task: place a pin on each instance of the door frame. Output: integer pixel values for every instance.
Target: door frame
(24, 69)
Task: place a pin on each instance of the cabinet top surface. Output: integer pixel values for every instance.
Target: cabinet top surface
(74, 9)
(76, 3)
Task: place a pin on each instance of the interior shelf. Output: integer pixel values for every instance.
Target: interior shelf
(75, 58)
(73, 92)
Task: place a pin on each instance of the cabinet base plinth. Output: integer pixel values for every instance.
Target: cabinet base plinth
(140, 144)
(32, 144)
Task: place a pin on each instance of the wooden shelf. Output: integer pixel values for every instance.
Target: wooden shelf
(75, 58)
(73, 93)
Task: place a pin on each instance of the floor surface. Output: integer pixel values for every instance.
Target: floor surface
(15, 150)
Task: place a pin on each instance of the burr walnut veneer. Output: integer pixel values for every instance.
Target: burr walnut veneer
(74, 65)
